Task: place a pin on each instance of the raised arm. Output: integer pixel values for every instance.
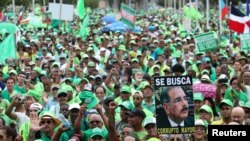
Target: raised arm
(78, 121)
(112, 134)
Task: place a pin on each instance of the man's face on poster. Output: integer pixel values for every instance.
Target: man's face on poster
(177, 106)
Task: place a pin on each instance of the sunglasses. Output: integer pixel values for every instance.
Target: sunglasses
(95, 121)
(55, 89)
(62, 95)
(46, 122)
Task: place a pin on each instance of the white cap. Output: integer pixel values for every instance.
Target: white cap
(74, 106)
(102, 49)
(36, 106)
(222, 76)
(138, 93)
(88, 87)
(199, 122)
(149, 120)
(205, 77)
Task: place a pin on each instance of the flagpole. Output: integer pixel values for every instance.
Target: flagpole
(179, 7)
(207, 13)
(33, 6)
(196, 6)
(14, 9)
(174, 6)
(60, 9)
(220, 16)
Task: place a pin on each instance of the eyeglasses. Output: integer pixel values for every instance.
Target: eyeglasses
(62, 95)
(95, 121)
(45, 121)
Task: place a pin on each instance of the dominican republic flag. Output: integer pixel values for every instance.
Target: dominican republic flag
(224, 9)
(238, 21)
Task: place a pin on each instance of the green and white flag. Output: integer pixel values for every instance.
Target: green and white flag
(8, 48)
(128, 16)
(205, 42)
(245, 41)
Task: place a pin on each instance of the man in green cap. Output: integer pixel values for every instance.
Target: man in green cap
(97, 134)
(198, 102)
(126, 106)
(206, 113)
(125, 94)
(226, 107)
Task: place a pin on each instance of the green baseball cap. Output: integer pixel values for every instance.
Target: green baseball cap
(89, 49)
(97, 132)
(13, 71)
(227, 102)
(122, 47)
(61, 91)
(132, 42)
(35, 94)
(48, 114)
(128, 105)
(37, 69)
(198, 96)
(135, 60)
(207, 109)
(247, 105)
(126, 89)
(91, 64)
(89, 99)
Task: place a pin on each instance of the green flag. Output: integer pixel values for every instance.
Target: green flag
(8, 48)
(84, 31)
(80, 9)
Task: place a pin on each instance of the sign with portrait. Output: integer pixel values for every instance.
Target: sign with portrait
(174, 105)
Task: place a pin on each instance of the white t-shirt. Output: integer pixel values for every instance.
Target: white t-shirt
(21, 119)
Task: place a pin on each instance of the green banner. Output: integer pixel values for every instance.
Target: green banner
(245, 41)
(205, 42)
(128, 16)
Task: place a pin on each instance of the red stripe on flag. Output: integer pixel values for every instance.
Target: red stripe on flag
(236, 26)
(224, 12)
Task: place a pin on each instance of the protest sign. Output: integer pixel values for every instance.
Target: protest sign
(61, 11)
(205, 42)
(128, 16)
(174, 105)
(245, 41)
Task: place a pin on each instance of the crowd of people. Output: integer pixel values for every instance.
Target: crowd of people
(61, 87)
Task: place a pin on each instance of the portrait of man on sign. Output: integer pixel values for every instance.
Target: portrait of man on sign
(174, 109)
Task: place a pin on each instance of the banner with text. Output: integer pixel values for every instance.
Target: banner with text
(128, 16)
(174, 105)
(205, 42)
(245, 41)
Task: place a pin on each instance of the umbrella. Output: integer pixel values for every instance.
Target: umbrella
(109, 19)
(116, 26)
(208, 90)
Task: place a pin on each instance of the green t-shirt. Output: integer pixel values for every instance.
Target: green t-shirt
(63, 137)
(21, 90)
(231, 94)
(141, 134)
(6, 95)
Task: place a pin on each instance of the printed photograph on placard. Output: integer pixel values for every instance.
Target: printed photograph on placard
(174, 105)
